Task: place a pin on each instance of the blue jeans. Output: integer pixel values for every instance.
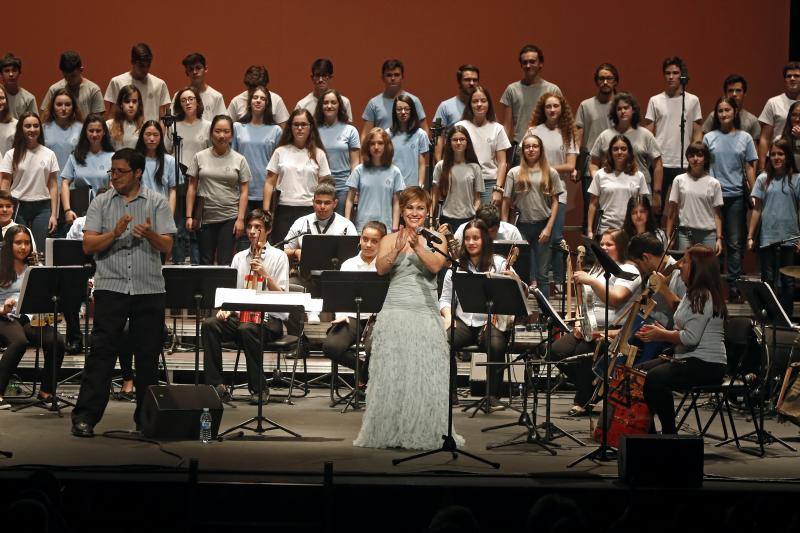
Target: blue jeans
(341, 195)
(690, 236)
(732, 232)
(185, 243)
(486, 195)
(35, 215)
(540, 253)
(555, 244)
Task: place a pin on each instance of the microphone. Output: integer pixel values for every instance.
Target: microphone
(429, 235)
(684, 75)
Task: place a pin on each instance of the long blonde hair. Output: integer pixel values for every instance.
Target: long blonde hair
(523, 183)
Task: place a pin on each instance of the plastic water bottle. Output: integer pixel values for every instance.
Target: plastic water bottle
(205, 426)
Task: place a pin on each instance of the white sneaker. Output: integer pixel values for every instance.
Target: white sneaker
(313, 318)
(4, 405)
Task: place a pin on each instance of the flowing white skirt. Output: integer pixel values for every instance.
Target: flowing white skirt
(409, 383)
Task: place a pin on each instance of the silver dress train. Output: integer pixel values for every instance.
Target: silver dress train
(409, 382)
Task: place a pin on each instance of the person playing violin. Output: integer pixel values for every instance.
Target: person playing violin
(272, 266)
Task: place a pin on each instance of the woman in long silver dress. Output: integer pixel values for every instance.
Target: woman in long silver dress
(407, 403)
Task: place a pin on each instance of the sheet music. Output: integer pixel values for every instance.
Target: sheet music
(251, 296)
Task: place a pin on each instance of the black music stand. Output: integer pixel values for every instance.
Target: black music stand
(489, 295)
(260, 419)
(53, 290)
(349, 292)
(523, 264)
(326, 252)
(194, 287)
(551, 430)
(604, 452)
(764, 305)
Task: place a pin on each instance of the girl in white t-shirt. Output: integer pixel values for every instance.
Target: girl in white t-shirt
(128, 118)
(8, 124)
(613, 185)
(490, 142)
(409, 140)
(457, 180)
(554, 123)
(30, 171)
(533, 188)
(295, 169)
(695, 200)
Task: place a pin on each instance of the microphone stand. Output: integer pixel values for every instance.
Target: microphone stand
(449, 442)
(684, 82)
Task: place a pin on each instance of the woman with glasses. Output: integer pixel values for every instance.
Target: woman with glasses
(295, 169)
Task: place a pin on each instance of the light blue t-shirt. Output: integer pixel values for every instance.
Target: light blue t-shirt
(376, 187)
(62, 141)
(94, 174)
(256, 144)
(730, 153)
(338, 140)
(450, 111)
(779, 213)
(407, 149)
(167, 178)
(379, 109)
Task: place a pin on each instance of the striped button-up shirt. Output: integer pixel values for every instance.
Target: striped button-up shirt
(130, 265)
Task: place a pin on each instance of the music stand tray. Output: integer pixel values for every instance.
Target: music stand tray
(353, 292)
(194, 287)
(53, 290)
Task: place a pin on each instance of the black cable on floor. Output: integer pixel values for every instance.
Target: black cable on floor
(123, 434)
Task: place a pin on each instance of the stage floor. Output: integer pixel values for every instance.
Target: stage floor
(39, 437)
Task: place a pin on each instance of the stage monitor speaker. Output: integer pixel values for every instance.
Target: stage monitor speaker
(173, 411)
(661, 460)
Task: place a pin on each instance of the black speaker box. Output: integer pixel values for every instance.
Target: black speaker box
(661, 460)
(173, 411)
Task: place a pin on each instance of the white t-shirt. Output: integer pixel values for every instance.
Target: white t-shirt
(298, 174)
(309, 102)
(356, 264)
(275, 263)
(7, 132)
(614, 190)
(632, 286)
(665, 112)
(194, 138)
(487, 139)
(775, 111)
(696, 199)
(309, 223)
(238, 107)
(556, 152)
(29, 181)
(154, 92)
(213, 103)
(130, 135)
(506, 232)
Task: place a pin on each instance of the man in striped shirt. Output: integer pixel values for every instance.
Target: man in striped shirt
(127, 229)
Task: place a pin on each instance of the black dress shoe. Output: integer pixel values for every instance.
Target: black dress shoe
(74, 347)
(82, 429)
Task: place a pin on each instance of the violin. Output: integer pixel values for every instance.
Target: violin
(255, 281)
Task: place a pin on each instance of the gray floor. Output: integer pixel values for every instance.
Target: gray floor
(39, 437)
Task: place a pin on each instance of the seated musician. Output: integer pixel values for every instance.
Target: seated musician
(16, 332)
(342, 333)
(697, 334)
(645, 250)
(273, 266)
(498, 230)
(614, 243)
(323, 221)
(476, 254)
